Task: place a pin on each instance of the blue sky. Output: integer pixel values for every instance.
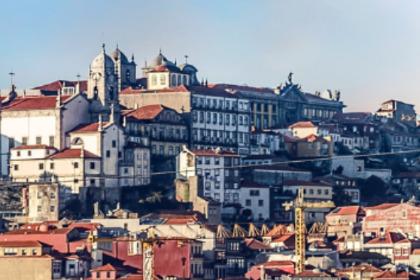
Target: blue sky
(370, 50)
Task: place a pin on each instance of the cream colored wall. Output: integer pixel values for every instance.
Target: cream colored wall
(303, 132)
(26, 268)
(44, 196)
(176, 100)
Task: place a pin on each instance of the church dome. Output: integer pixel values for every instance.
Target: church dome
(160, 60)
(119, 55)
(102, 60)
(188, 68)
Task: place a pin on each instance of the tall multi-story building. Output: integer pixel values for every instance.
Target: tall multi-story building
(398, 111)
(161, 128)
(42, 120)
(219, 119)
(218, 171)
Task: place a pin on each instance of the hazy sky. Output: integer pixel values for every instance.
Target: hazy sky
(370, 50)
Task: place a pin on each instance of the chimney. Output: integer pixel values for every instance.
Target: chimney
(100, 126)
(58, 99)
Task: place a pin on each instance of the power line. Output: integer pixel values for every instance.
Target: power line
(171, 172)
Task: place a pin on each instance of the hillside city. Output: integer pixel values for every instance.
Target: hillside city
(154, 172)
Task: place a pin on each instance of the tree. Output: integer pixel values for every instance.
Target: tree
(373, 190)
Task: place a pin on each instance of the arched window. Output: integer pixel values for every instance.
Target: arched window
(179, 80)
(184, 79)
(95, 92)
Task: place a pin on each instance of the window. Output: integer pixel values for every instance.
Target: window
(24, 140)
(248, 202)
(51, 141)
(260, 202)
(11, 143)
(52, 195)
(41, 166)
(29, 153)
(76, 181)
(114, 143)
(75, 165)
(38, 140)
(39, 208)
(52, 208)
(254, 192)
(162, 79)
(18, 153)
(108, 153)
(51, 165)
(92, 165)
(92, 182)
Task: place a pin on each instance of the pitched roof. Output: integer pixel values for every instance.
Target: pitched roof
(28, 103)
(346, 210)
(365, 267)
(302, 124)
(23, 243)
(73, 153)
(393, 275)
(89, 128)
(33, 147)
(382, 206)
(387, 238)
(255, 244)
(59, 84)
(107, 267)
(177, 89)
(148, 112)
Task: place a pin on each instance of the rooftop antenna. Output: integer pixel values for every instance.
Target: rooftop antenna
(12, 75)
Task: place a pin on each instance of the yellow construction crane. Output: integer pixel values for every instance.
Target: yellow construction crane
(299, 204)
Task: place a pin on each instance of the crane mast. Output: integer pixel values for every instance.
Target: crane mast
(299, 205)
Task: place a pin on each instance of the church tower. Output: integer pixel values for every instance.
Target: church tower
(124, 69)
(102, 81)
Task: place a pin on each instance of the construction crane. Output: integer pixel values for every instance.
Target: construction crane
(299, 204)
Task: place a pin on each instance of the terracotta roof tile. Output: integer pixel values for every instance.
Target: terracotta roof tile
(23, 243)
(302, 124)
(59, 84)
(148, 112)
(347, 210)
(73, 153)
(107, 267)
(33, 147)
(28, 103)
(88, 128)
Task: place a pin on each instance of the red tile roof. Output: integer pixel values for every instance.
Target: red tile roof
(388, 238)
(28, 103)
(277, 231)
(393, 275)
(107, 267)
(131, 90)
(361, 267)
(302, 124)
(287, 239)
(255, 244)
(382, 206)
(59, 84)
(33, 147)
(148, 112)
(347, 210)
(73, 153)
(24, 243)
(278, 263)
(89, 128)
